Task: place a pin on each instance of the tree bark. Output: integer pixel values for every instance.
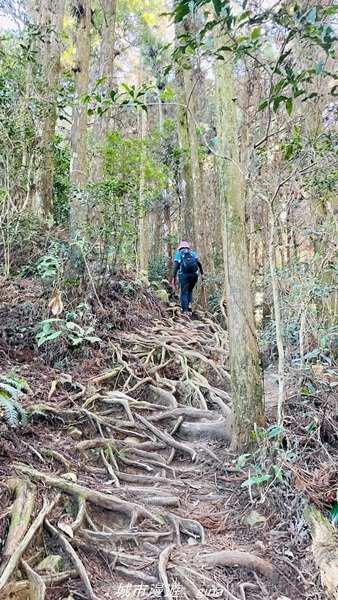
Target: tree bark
(187, 217)
(106, 69)
(48, 16)
(144, 214)
(78, 161)
(246, 378)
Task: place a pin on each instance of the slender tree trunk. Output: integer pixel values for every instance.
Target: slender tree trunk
(144, 213)
(187, 216)
(106, 69)
(195, 224)
(78, 161)
(48, 16)
(246, 378)
(278, 317)
(168, 234)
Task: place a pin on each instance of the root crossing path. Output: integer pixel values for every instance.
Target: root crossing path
(127, 489)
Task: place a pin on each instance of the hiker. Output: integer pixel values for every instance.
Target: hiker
(187, 263)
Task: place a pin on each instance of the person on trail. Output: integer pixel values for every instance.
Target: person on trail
(188, 265)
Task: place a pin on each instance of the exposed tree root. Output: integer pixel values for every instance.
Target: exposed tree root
(325, 550)
(235, 558)
(137, 452)
(37, 585)
(50, 453)
(204, 577)
(191, 587)
(68, 548)
(21, 512)
(162, 570)
(136, 575)
(167, 438)
(12, 590)
(186, 411)
(133, 510)
(216, 430)
(186, 526)
(18, 552)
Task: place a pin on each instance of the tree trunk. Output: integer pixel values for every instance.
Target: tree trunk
(194, 207)
(78, 161)
(144, 214)
(278, 317)
(246, 378)
(106, 66)
(187, 217)
(48, 16)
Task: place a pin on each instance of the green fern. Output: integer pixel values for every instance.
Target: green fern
(10, 413)
(10, 391)
(36, 412)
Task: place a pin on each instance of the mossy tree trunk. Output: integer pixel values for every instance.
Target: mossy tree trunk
(48, 17)
(78, 161)
(246, 377)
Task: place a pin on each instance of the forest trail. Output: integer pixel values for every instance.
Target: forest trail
(142, 497)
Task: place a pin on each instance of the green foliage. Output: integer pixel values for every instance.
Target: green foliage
(116, 199)
(48, 267)
(157, 269)
(72, 333)
(262, 464)
(11, 389)
(61, 156)
(246, 39)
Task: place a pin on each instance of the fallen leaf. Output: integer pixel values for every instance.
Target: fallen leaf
(66, 529)
(56, 304)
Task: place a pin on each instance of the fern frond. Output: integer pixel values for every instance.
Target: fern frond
(10, 412)
(22, 413)
(11, 388)
(36, 412)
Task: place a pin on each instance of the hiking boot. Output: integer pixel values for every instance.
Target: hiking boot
(189, 308)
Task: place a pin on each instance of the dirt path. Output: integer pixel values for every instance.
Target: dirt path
(145, 499)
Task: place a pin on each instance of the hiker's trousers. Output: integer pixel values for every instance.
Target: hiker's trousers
(188, 282)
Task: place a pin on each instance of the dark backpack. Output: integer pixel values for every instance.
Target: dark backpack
(188, 262)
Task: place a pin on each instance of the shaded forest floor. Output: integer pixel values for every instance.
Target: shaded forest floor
(125, 462)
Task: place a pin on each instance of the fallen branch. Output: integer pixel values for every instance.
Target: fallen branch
(17, 554)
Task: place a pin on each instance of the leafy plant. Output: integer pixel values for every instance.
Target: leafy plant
(262, 465)
(72, 333)
(11, 388)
